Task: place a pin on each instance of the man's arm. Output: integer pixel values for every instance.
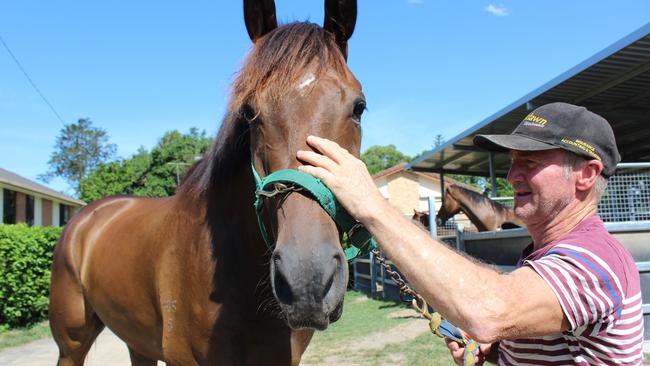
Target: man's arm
(487, 304)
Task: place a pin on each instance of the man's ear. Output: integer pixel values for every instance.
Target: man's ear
(589, 173)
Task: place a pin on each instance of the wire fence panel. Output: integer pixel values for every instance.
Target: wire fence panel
(627, 197)
(449, 228)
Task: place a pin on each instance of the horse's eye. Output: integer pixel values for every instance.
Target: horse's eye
(247, 112)
(359, 107)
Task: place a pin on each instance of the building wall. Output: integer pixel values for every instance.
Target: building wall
(47, 211)
(407, 191)
(382, 185)
(20, 207)
(403, 192)
(55, 214)
(38, 212)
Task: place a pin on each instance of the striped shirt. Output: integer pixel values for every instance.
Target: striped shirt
(597, 284)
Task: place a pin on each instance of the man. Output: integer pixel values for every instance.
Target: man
(574, 298)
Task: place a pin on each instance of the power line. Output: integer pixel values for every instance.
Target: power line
(30, 80)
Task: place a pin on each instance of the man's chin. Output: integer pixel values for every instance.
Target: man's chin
(523, 212)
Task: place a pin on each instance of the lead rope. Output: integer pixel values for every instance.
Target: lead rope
(438, 326)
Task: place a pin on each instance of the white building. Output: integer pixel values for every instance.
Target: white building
(408, 190)
(23, 200)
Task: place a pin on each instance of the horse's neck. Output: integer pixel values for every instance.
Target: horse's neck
(513, 218)
(480, 215)
(231, 206)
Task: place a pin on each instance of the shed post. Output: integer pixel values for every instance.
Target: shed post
(442, 188)
(433, 228)
(373, 276)
(493, 177)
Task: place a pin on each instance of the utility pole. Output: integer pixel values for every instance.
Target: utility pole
(178, 175)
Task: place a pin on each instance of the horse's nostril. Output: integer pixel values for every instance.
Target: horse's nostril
(332, 275)
(280, 283)
(328, 285)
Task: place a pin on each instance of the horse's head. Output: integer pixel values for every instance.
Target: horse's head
(450, 207)
(421, 218)
(295, 83)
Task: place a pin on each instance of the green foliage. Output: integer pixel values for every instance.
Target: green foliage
(25, 261)
(79, 149)
(504, 189)
(150, 174)
(19, 336)
(378, 158)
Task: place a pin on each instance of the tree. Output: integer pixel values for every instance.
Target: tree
(79, 149)
(150, 174)
(116, 177)
(170, 159)
(378, 158)
(438, 141)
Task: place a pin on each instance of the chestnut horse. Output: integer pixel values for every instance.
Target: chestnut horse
(484, 213)
(188, 279)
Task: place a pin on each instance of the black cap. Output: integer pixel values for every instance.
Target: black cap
(560, 126)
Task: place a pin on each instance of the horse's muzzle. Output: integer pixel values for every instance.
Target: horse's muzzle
(309, 284)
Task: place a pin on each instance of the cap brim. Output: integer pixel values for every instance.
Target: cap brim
(511, 142)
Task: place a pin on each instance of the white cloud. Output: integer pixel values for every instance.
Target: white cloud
(416, 2)
(498, 10)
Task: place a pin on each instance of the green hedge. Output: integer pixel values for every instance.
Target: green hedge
(25, 261)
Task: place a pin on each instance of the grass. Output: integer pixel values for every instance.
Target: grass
(364, 319)
(17, 337)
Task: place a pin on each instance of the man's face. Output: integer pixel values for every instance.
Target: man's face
(541, 185)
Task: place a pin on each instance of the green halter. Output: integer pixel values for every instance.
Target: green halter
(289, 180)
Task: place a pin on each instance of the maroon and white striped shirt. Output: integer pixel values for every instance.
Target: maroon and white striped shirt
(597, 284)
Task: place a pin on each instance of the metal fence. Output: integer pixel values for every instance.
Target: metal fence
(627, 197)
(449, 228)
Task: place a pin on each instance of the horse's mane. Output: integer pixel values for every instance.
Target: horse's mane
(275, 63)
(478, 198)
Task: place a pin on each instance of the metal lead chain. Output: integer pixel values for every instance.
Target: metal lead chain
(279, 188)
(404, 288)
(417, 302)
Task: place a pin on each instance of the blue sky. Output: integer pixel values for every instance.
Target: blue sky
(141, 68)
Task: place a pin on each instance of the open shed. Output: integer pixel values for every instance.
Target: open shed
(614, 83)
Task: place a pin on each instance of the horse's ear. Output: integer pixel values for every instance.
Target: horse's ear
(340, 18)
(260, 17)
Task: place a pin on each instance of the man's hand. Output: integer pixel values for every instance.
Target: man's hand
(484, 353)
(345, 175)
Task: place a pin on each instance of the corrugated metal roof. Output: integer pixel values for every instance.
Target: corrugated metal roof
(17, 181)
(614, 83)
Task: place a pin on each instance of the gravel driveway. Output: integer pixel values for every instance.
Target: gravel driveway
(108, 350)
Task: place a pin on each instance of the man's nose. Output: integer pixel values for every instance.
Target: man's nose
(514, 174)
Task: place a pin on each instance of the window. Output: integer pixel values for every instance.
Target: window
(64, 214)
(29, 210)
(9, 207)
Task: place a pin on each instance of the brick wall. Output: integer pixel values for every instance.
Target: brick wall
(20, 207)
(46, 212)
(403, 193)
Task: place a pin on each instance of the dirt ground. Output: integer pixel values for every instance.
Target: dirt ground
(109, 350)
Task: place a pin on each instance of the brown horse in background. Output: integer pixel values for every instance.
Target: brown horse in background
(188, 279)
(484, 213)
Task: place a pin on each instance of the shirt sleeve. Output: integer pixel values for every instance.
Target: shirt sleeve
(588, 290)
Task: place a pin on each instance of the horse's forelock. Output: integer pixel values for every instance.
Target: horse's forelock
(276, 62)
(279, 59)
